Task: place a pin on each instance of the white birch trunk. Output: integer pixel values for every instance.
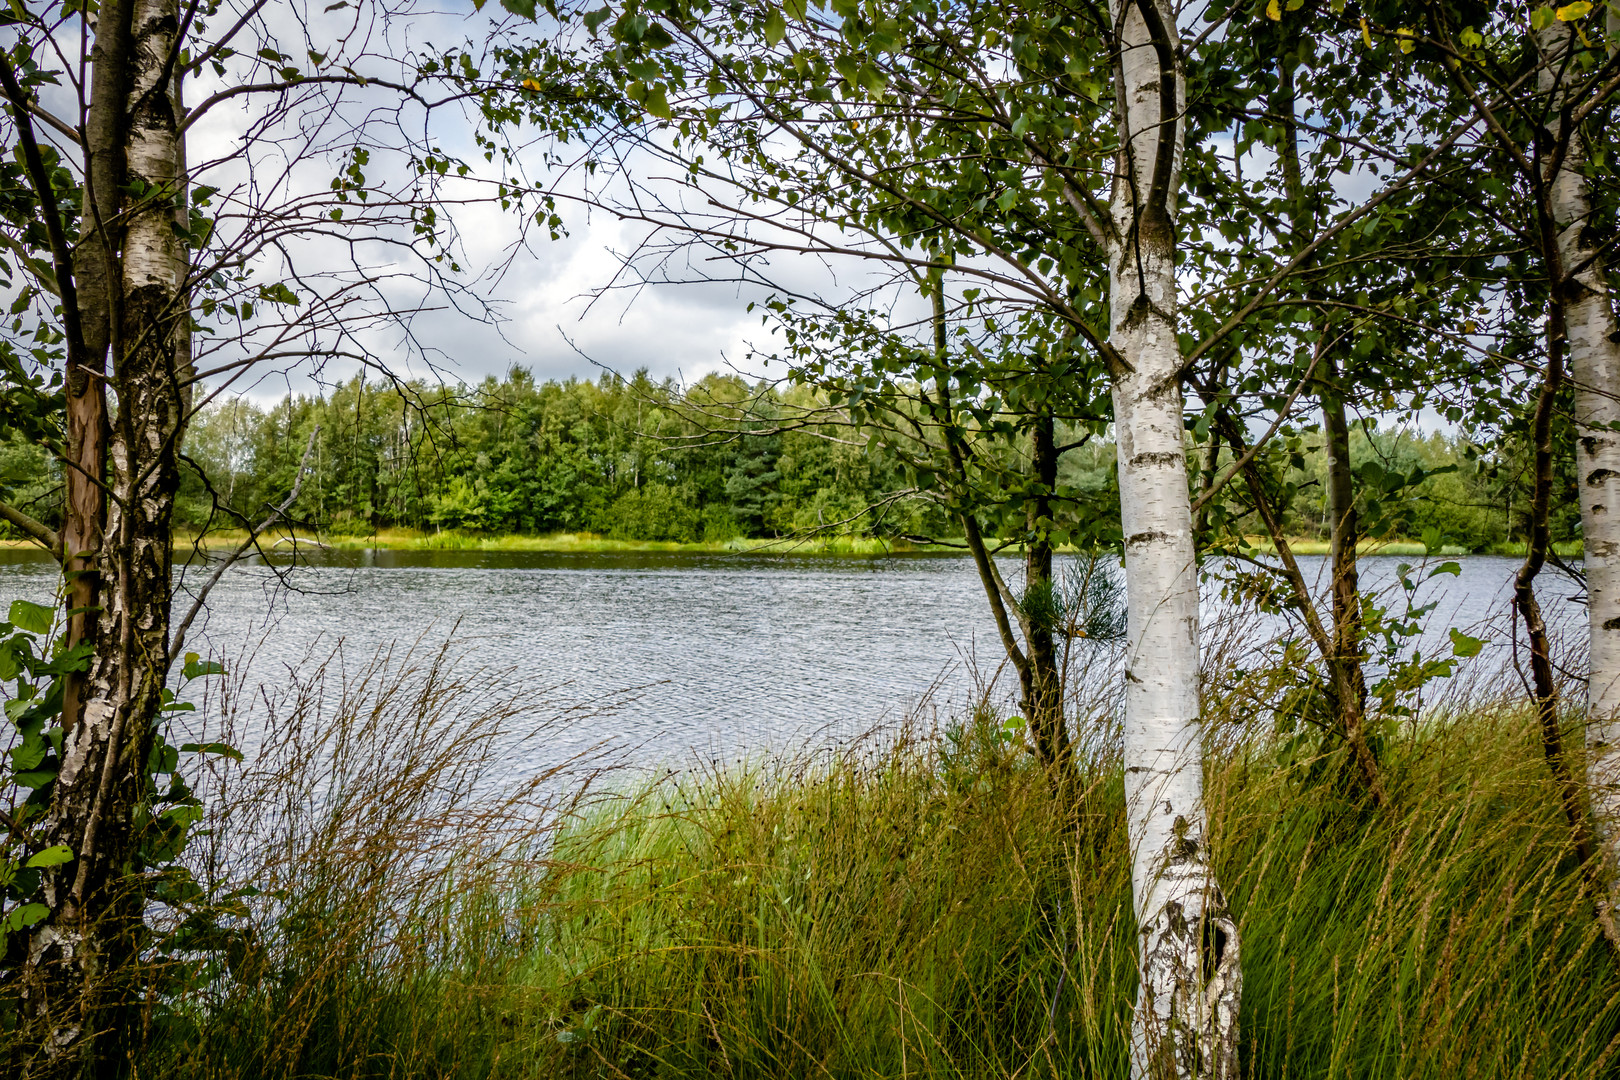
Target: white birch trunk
(1593, 341)
(77, 982)
(1187, 1001)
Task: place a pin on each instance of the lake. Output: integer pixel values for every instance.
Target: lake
(698, 654)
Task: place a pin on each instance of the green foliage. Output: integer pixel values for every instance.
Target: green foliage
(923, 908)
(630, 459)
(165, 817)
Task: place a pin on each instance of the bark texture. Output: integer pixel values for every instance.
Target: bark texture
(1581, 289)
(95, 271)
(79, 959)
(1187, 1004)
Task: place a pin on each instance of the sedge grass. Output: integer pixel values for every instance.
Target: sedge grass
(912, 907)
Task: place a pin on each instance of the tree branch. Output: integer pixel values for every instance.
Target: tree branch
(252, 537)
(38, 532)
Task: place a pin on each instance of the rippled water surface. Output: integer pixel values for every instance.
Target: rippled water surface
(729, 653)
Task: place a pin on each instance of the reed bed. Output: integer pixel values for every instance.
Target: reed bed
(916, 905)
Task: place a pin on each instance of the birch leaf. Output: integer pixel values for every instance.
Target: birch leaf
(52, 856)
(34, 618)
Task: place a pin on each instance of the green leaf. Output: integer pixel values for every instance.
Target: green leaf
(196, 667)
(657, 102)
(26, 915)
(775, 27)
(55, 855)
(278, 294)
(1541, 18)
(34, 618)
(524, 8)
(1464, 646)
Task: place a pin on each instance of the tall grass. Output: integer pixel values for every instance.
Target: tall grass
(916, 906)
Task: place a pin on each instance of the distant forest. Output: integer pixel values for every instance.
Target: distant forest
(717, 460)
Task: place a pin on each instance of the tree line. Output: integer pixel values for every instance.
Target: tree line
(1206, 246)
(644, 460)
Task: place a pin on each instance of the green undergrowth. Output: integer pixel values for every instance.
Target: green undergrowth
(926, 909)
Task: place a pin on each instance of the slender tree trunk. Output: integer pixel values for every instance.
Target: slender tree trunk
(1544, 686)
(1338, 686)
(1581, 289)
(76, 978)
(1344, 533)
(1343, 653)
(1187, 999)
(1043, 685)
(94, 272)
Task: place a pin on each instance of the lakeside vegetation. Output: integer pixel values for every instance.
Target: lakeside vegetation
(912, 907)
(615, 464)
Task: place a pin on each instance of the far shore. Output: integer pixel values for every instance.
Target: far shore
(592, 543)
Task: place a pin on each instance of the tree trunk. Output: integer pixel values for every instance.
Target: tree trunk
(94, 271)
(1344, 533)
(1544, 686)
(1042, 679)
(1581, 289)
(1187, 1000)
(77, 975)
(1343, 655)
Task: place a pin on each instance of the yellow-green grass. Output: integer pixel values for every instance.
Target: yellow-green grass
(585, 542)
(925, 908)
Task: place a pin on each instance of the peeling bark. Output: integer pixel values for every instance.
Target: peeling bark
(1581, 290)
(78, 959)
(1187, 1003)
(95, 271)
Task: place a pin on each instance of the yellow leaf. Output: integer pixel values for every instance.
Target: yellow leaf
(532, 84)
(1405, 36)
(1274, 11)
(1571, 12)
(1366, 32)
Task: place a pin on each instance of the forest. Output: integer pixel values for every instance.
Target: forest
(1125, 308)
(632, 459)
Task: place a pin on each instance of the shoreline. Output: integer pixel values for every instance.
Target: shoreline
(592, 543)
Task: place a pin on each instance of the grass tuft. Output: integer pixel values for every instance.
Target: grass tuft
(918, 907)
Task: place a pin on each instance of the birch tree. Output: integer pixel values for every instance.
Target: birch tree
(1534, 77)
(145, 284)
(1579, 278)
(1190, 979)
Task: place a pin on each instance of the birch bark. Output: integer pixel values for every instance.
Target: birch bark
(1187, 1000)
(78, 959)
(1593, 342)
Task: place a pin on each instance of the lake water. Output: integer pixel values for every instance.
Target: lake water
(708, 655)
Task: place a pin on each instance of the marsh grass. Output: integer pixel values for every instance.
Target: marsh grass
(910, 906)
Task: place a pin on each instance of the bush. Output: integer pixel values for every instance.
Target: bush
(654, 511)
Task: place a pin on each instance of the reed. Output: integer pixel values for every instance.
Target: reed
(915, 905)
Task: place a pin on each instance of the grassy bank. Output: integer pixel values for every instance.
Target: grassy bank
(920, 909)
(562, 543)
(411, 540)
